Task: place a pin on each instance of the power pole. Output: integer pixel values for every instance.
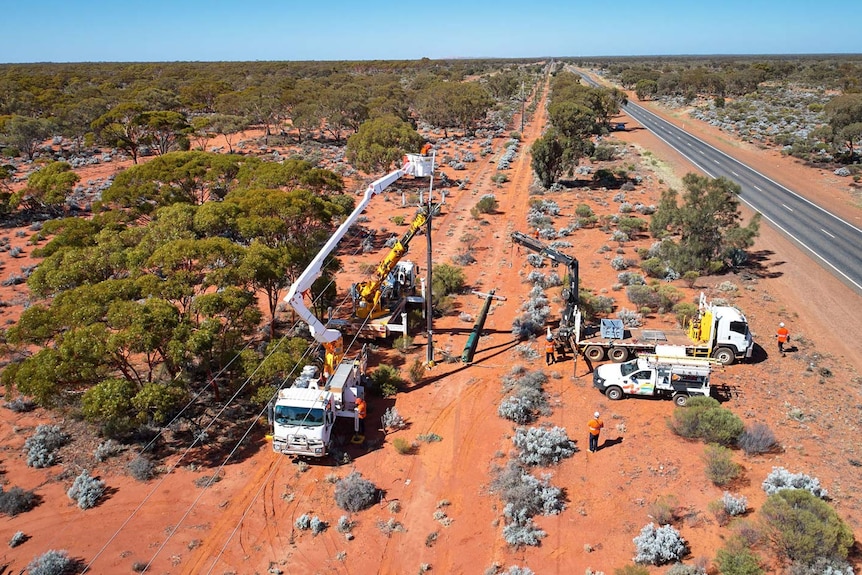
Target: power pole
(523, 100)
(429, 359)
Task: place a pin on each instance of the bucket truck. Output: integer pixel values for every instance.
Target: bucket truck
(303, 416)
(718, 332)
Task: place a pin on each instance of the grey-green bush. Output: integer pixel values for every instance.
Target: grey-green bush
(42, 446)
(659, 545)
(86, 490)
(51, 563)
(353, 493)
(541, 446)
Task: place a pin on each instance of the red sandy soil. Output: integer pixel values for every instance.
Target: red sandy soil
(245, 522)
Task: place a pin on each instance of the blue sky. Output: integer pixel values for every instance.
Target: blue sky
(162, 30)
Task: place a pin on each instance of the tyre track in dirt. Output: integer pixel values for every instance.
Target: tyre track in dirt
(466, 414)
(234, 510)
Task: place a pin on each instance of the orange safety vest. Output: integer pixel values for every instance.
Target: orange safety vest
(783, 334)
(595, 426)
(360, 408)
(549, 347)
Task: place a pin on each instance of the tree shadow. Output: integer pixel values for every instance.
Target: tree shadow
(503, 347)
(760, 265)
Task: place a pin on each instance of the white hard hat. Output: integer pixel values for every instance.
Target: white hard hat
(596, 414)
(781, 324)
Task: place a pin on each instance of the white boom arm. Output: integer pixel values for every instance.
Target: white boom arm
(414, 165)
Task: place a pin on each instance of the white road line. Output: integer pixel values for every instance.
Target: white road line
(788, 208)
(734, 173)
(827, 233)
(717, 162)
(756, 188)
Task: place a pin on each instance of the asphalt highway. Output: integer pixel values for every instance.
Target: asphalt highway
(834, 243)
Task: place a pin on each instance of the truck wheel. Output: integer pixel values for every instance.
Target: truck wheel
(618, 354)
(614, 393)
(594, 353)
(724, 355)
(681, 399)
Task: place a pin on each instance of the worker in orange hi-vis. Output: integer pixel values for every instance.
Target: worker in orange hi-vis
(549, 351)
(361, 411)
(425, 149)
(783, 336)
(595, 426)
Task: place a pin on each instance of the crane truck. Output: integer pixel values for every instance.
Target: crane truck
(303, 415)
(719, 332)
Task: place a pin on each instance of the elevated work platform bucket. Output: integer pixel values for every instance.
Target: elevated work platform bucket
(421, 166)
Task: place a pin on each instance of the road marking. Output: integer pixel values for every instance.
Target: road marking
(758, 189)
(717, 162)
(734, 173)
(827, 233)
(702, 153)
(788, 208)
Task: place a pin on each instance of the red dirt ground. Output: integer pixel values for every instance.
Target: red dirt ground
(245, 522)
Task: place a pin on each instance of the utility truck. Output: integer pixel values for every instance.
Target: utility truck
(303, 416)
(668, 373)
(718, 332)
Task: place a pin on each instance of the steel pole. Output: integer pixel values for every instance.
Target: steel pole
(429, 359)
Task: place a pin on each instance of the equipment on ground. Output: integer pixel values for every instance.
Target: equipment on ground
(303, 415)
(655, 375)
(473, 340)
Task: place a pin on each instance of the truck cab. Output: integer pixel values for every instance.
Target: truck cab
(675, 377)
(304, 415)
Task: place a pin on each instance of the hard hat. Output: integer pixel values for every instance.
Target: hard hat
(596, 414)
(781, 324)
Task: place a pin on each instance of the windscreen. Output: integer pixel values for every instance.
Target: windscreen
(290, 415)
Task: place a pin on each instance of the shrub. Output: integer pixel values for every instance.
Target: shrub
(402, 446)
(630, 279)
(515, 570)
(528, 399)
(141, 468)
(303, 522)
(52, 563)
(683, 569)
(391, 419)
(21, 405)
(643, 296)
(318, 525)
(17, 539)
(620, 263)
(107, 449)
(525, 326)
(703, 418)
(631, 570)
(520, 534)
(16, 501)
(663, 510)
(487, 204)
(805, 528)
(690, 278)
(42, 446)
(447, 280)
(385, 380)
(720, 467)
(779, 479)
(822, 566)
(403, 343)
(428, 437)
(543, 447)
(344, 524)
(584, 211)
(499, 178)
(657, 546)
(526, 496)
(353, 493)
(736, 559)
(654, 268)
(86, 490)
(757, 439)
(733, 505)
